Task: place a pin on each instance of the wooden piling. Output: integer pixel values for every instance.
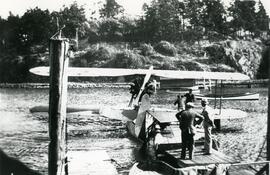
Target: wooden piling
(266, 56)
(57, 106)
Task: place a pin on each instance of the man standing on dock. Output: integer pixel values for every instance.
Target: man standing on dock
(208, 124)
(188, 130)
(189, 97)
(179, 103)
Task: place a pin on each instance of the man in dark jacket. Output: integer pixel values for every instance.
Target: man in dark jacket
(188, 130)
(189, 97)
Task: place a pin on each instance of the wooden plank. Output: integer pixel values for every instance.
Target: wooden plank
(199, 159)
(95, 162)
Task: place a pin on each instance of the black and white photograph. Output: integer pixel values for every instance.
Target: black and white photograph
(134, 87)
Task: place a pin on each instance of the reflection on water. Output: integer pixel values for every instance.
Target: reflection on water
(24, 135)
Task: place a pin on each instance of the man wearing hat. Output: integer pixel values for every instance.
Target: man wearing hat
(208, 124)
(188, 130)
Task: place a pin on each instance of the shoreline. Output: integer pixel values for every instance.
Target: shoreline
(71, 85)
(74, 85)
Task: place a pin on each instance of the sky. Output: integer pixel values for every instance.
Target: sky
(132, 7)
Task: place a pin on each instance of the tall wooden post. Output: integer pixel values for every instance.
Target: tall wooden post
(267, 55)
(57, 106)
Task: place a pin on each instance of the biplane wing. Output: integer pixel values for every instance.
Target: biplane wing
(130, 113)
(114, 72)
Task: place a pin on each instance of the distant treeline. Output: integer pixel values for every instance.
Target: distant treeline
(170, 20)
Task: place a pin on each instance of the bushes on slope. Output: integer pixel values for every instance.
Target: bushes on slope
(127, 59)
(166, 48)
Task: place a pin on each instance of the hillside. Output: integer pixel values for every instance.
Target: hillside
(228, 56)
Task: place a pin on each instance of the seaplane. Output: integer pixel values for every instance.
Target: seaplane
(141, 116)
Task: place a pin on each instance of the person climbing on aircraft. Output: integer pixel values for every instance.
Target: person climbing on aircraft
(149, 90)
(189, 97)
(179, 103)
(135, 87)
(188, 130)
(208, 124)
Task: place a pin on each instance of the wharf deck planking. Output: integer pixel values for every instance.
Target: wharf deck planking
(95, 162)
(199, 159)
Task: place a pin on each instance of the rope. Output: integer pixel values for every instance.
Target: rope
(261, 150)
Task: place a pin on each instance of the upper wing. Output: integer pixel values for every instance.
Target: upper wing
(91, 72)
(177, 74)
(114, 72)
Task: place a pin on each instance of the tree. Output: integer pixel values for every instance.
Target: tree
(263, 70)
(213, 16)
(109, 30)
(163, 19)
(11, 33)
(193, 10)
(128, 28)
(243, 14)
(2, 33)
(73, 18)
(36, 27)
(262, 19)
(111, 9)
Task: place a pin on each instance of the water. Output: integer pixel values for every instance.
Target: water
(24, 135)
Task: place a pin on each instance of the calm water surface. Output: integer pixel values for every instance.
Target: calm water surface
(24, 135)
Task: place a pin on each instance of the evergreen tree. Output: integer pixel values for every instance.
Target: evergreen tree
(73, 18)
(262, 19)
(111, 9)
(12, 34)
(243, 14)
(163, 19)
(213, 16)
(193, 10)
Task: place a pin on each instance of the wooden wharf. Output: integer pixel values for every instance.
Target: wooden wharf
(199, 158)
(95, 162)
(166, 127)
(170, 138)
(169, 162)
(167, 142)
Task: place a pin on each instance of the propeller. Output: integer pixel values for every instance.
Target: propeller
(146, 79)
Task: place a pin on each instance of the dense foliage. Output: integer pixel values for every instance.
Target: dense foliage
(172, 20)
